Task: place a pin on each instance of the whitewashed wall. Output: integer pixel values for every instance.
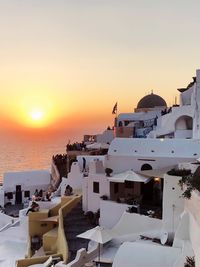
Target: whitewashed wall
(88, 160)
(183, 134)
(29, 181)
(26, 179)
(75, 178)
(106, 208)
(166, 124)
(123, 163)
(173, 203)
(192, 206)
(196, 107)
(2, 198)
(93, 199)
(106, 137)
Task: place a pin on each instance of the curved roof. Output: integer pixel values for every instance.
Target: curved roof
(153, 147)
(151, 101)
(131, 254)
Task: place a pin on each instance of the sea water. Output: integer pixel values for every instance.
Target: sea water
(19, 152)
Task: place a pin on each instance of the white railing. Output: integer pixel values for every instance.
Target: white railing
(5, 227)
(82, 257)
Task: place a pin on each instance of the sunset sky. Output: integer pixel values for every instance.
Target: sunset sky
(64, 63)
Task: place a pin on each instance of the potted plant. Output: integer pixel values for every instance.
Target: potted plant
(108, 171)
(190, 262)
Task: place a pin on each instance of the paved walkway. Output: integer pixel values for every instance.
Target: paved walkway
(76, 223)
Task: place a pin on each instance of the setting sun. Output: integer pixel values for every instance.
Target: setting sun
(36, 110)
(36, 115)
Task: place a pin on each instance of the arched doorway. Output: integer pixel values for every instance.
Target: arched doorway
(184, 123)
(146, 167)
(147, 189)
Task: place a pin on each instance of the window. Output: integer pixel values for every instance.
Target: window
(146, 167)
(120, 124)
(96, 187)
(126, 123)
(9, 195)
(26, 193)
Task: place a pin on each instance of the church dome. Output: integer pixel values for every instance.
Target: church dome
(151, 101)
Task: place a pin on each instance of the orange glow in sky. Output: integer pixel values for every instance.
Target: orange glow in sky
(35, 109)
(67, 67)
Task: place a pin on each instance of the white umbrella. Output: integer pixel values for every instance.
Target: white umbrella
(98, 146)
(97, 234)
(128, 176)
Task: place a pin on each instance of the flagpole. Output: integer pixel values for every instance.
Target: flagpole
(115, 112)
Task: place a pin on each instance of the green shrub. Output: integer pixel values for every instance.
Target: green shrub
(191, 182)
(179, 172)
(108, 172)
(190, 262)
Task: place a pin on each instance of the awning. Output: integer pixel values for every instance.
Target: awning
(128, 176)
(156, 173)
(131, 254)
(97, 234)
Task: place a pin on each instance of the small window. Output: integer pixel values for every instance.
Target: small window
(96, 187)
(116, 188)
(10, 195)
(26, 193)
(18, 188)
(120, 124)
(146, 167)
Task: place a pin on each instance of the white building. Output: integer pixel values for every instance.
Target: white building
(131, 186)
(183, 121)
(149, 159)
(144, 118)
(20, 186)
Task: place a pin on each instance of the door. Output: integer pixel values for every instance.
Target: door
(18, 198)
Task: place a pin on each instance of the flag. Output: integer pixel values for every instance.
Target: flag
(114, 111)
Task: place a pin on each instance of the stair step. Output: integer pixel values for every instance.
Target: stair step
(76, 222)
(76, 231)
(74, 212)
(74, 217)
(74, 246)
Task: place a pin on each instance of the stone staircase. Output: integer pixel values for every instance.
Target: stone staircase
(76, 223)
